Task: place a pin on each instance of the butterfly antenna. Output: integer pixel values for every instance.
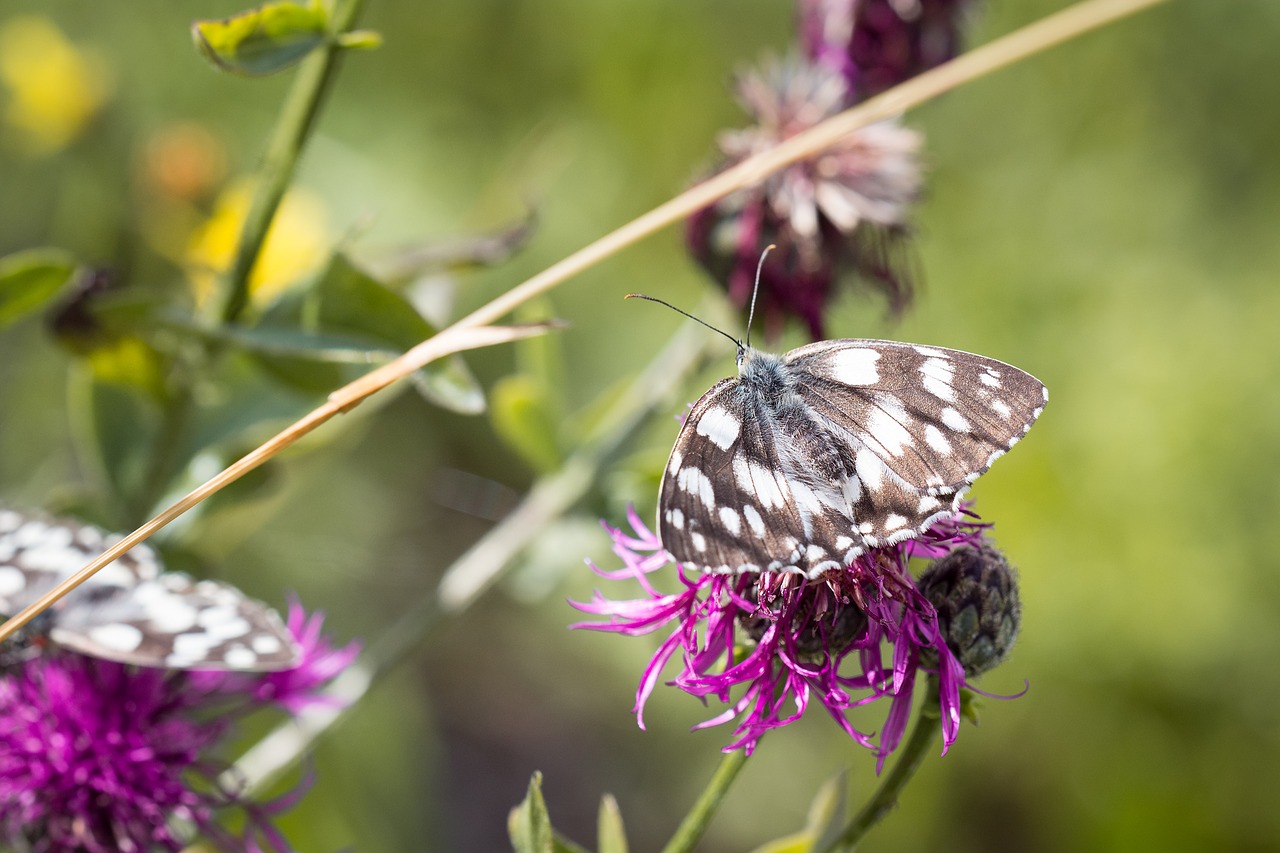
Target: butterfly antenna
(736, 342)
(755, 291)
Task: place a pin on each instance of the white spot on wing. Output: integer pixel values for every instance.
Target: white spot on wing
(893, 521)
(673, 464)
(936, 440)
(955, 420)
(116, 636)
(765, 486)
(265, 644)
(240, 657)
(870, 469)
(675, 517)
(174, 618)
(696, 483)
(731, 521)
(754, 521)
(855, 366)
(720, 426)
(888, 432)
(12, 581)
(1001, 407)
(937, 375)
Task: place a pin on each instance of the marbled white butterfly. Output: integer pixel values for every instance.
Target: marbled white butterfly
(808, 459)
(132, 611)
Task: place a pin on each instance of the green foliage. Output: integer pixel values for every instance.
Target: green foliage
(265, 39)
(611, 836)
(30, 279)
(529, 826)
(825, 820)
(321, 337)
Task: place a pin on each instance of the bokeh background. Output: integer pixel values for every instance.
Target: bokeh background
(1104, 215)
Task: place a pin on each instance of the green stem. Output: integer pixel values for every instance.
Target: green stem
(695, 823)
(297, 117)
(910, 756)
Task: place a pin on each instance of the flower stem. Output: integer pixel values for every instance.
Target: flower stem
(695, 823)
(297, 118)
(910, 757)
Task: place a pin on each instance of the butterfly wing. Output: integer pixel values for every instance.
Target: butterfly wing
(36, 553)
(173, 621)
(869, 443)
(732, 499)
(934, 418)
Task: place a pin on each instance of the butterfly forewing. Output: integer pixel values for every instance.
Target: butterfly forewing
(937, 418)
(808, 460)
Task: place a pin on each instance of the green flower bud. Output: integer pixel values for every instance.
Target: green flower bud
(975, 592)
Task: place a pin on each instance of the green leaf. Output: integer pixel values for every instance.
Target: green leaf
(264, 40)
(611, 836)
(115, 427)
(30, 279)
(529, 825)
(827, 811)
(801, 842)
(360, 40)
(823, 824)
(348, 317)
(970, 705)
(522, 419)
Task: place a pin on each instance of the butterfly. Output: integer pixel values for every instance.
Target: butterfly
(807, 460)
(132, 611)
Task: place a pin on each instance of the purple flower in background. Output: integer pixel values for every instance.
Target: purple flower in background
(876, 44)
(842, 214)
(97, 756)
(785, 640)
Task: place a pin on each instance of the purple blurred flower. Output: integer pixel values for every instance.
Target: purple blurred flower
(877, 44)
(98, 756)
(841, 214)
(789, 640)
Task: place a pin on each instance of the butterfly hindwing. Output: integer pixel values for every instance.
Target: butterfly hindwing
(179, 623)
(131, 611)
(36, 553)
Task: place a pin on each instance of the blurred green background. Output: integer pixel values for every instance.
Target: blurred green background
(1104, 216)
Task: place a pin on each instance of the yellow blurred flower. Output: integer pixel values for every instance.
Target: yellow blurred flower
(297, 243)
(54, 88)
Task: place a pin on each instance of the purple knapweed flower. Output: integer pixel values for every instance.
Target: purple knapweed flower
(842, 214)
(876, 44)
(786, 640)
(97, 756)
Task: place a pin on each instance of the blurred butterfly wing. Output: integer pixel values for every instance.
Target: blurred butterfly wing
(36, 553)
(179, 623)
